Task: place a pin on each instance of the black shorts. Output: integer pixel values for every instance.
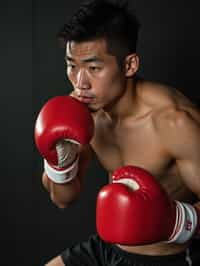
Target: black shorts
(96, 252)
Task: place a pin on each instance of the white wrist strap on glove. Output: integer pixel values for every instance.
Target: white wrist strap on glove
(61, 176)
(186, 223)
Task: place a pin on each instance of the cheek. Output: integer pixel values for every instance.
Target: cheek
(70, 76)
(110, 84)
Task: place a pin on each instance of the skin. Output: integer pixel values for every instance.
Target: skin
(137, 122)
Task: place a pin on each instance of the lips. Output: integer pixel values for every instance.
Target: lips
(86, 99)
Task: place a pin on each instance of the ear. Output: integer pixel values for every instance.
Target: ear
(131, 64)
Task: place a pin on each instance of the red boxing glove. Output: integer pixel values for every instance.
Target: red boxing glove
(136, 210)
(62, 126)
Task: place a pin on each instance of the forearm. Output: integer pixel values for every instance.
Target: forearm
(62, 194)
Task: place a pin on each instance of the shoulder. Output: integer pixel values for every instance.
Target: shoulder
(160, 95)
(173, 118)
(177, 118)
(169, 106)
(155, 94)
(179, 130)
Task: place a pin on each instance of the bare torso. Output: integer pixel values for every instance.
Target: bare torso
(135, 141)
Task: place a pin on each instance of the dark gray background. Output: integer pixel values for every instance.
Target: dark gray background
(32, 70)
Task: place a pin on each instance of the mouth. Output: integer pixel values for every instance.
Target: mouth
(86, 99)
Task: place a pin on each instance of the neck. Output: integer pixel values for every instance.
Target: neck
(125, 105)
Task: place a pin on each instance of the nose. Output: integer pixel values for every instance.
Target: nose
(82, 80)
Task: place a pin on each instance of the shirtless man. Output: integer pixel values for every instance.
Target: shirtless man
(137, 122)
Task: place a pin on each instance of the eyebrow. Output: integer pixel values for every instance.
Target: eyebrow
(86, 60)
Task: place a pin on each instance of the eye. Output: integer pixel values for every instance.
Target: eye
(70, 67)
(94, 68)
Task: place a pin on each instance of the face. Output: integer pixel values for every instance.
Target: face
(96, 76)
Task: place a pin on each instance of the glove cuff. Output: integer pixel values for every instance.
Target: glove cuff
(186, 223)
(61, 176)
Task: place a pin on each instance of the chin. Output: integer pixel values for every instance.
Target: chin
(94, 107)
(93, 110)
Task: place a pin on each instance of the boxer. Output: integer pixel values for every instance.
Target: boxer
(146, 135)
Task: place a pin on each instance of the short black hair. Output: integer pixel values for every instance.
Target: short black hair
(96, 19)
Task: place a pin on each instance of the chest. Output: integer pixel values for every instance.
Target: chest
(135, 145)
(140, 146)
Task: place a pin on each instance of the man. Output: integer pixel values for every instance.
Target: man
(136, 123)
